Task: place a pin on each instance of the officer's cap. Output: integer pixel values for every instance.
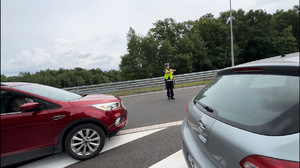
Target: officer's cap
(167, 64)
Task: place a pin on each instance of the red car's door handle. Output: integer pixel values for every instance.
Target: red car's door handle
(58, 117)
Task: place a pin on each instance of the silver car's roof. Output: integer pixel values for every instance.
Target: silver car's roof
(288, 59)
(287, 65)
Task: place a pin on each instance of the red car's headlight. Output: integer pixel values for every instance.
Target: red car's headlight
(107, 106)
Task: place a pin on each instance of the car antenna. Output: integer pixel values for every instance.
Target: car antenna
(282, 54)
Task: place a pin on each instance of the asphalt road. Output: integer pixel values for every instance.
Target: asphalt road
(154, 108)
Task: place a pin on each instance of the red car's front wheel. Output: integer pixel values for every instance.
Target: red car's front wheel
(85, 141)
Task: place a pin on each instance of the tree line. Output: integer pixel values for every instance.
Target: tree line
(189, 46)
(66, 77)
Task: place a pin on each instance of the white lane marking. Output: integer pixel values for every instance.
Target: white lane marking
(63, 159)
(175, 161)
(123, 139)
(152, 127)
(59, 160)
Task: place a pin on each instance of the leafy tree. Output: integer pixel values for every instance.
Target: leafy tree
(240, 29)
(112, 76)
(262, 38)
(4, 78)
(152, 61)
(288, 41)
(130, 64)
(98, 76)
(173, 46)
(63, 80)
(200, 60)
(217, 40)
(284, 19)
(166, 30)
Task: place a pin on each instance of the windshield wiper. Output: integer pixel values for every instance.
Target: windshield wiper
(83, 95)
(207, 108)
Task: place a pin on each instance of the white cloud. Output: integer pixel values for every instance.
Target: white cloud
(64, 53)
(31, 59)
(87, 54)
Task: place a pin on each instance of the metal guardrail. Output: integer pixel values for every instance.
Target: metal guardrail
(143, 83)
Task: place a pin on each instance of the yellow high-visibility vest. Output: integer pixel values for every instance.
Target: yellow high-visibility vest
(169, 75)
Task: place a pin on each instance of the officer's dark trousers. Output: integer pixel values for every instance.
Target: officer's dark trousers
(170, 87)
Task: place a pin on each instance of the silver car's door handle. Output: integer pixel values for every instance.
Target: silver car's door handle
(58, 117)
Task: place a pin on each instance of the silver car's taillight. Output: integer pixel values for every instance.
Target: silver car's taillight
(256, 161)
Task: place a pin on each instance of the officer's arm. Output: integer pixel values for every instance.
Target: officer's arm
(174, 79)
(170, 71)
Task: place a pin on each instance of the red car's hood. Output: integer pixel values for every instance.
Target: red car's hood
(94, 99)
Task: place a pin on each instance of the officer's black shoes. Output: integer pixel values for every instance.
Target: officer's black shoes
(173, 98)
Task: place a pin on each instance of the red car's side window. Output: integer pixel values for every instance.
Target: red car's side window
(11, 102)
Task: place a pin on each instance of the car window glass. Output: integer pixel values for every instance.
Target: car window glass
(49, 92)
(251, 100)
(11, 102)
(4, 100)
(268, 81)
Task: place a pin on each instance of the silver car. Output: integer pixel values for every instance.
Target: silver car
(248, 117)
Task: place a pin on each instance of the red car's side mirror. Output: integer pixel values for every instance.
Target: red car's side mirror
(33, 106)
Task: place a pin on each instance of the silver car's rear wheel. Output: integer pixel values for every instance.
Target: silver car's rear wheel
(85, 141)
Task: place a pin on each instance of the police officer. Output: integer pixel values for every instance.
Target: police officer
(169, 80)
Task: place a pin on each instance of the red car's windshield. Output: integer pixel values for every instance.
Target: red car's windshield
(49, 92)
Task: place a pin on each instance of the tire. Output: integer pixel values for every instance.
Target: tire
(85, 141)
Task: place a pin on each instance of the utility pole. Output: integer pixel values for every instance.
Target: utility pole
(232, 55)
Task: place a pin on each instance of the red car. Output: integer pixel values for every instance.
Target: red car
(38, 120)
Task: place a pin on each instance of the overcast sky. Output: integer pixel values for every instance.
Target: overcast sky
(51, 34)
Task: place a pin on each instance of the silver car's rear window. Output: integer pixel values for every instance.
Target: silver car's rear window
(255, 102)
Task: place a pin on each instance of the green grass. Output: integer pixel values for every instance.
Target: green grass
(159, 88)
